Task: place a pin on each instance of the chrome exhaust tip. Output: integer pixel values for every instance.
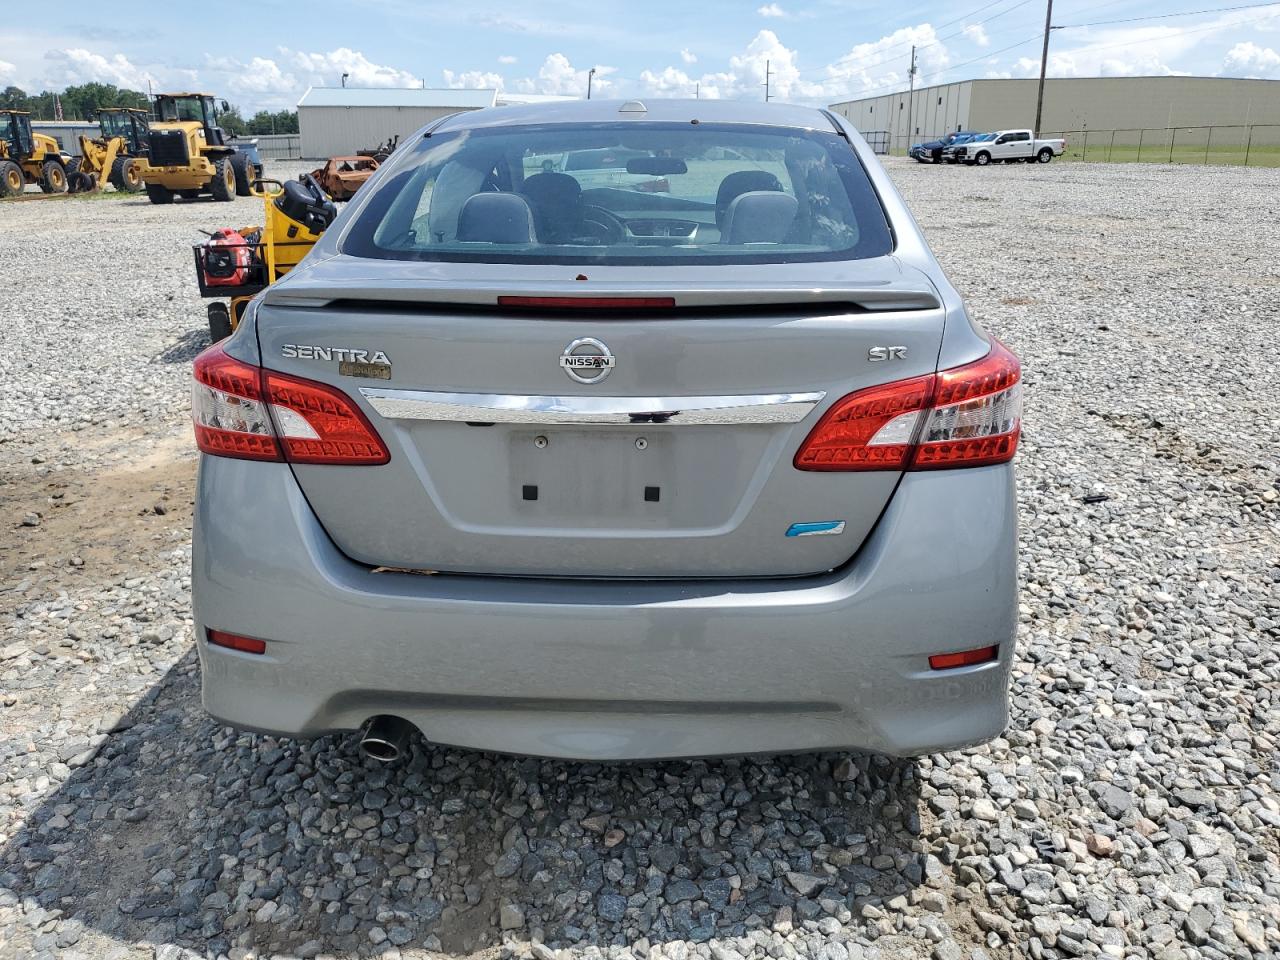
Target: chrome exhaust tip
(385, 738)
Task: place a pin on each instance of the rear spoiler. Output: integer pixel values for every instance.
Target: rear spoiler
(901, 293)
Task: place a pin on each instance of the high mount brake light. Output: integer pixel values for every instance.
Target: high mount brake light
(967, 416)
(589, 303)
(250, 413)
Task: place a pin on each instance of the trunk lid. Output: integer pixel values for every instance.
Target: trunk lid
(675, 462)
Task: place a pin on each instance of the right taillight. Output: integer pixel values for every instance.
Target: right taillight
(966, 416)
(249, 413)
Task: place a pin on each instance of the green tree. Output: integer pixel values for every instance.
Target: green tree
(14, 98)
(232, 122)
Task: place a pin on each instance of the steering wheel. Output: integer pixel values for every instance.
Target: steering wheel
(603, 225)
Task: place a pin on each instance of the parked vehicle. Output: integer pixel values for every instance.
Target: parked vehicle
(115, 155)
(610, 473)
(189, 154)
(28, 157)
(952, 153)
(341, 177)
(931, 150)
(1012, 146)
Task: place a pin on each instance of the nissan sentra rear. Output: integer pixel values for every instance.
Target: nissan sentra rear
(613, 430)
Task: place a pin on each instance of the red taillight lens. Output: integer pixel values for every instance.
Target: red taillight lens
(233, 641)
(963, 417)
(319, 424)
(869, 430)
(965, 658)
(590, 303)
(230, 417)
(246, 412)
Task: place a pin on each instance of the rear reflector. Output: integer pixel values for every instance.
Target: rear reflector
(590, 303)
(965, 658)
(967, 416)
(234, 642)
(249, 413)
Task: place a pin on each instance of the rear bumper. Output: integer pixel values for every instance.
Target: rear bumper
(614, 669)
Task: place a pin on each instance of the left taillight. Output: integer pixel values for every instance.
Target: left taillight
(247, 412)
(966, 416)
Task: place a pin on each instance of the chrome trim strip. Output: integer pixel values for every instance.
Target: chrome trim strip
(635, 411)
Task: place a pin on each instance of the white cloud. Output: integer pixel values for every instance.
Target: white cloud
(326, 69)
(745, 77)
(507, 58)
(76, 65)
(978, 34)
(558, 76)
(880, 65)
(771, 10)
(261, 80)
(688, 56)
(1247, 59)
(474, 80)
(7, 69)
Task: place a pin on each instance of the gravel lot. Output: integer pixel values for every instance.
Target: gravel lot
(1132, 809)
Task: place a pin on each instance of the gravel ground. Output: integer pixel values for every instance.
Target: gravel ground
(1132, 810)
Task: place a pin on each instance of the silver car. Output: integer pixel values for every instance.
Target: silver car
(708, 459)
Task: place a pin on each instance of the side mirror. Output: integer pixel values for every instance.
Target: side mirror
(225, 106)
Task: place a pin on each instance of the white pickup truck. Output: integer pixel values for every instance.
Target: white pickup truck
(1009, 146)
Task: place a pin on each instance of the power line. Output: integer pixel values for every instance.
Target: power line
(1166, 16)
(906, 43)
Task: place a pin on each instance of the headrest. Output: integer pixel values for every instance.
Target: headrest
(759, 217)
(495, 218)
(740, 182)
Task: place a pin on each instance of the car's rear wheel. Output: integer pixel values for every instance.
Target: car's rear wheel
(1045, 155)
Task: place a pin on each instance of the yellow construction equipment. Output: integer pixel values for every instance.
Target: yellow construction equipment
(115, 156)
(189, 154)
(27, 157)
(239, 264)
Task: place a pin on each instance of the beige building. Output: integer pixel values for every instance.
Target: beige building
(1070, 105)
(335, 121)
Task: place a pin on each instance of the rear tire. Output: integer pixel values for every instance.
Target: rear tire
(223, 184)
(244, 173)
(53, 177)
(982, 159)
(124, 175)
(158, 194)
(1044, 156)
(12, 180)
(219, 321)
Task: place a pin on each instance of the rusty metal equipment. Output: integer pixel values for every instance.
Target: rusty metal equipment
(341, 177)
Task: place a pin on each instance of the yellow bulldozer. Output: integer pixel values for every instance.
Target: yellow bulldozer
(115, 156)
(188, 153)
(27, 157)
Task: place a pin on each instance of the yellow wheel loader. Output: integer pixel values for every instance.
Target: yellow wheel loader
(116, 156)
(188, 153)
(27, 157)
(233, 266)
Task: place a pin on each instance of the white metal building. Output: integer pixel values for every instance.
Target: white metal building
(1070, 105)
(334, 121)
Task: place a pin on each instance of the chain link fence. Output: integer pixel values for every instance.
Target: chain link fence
(1255, 145)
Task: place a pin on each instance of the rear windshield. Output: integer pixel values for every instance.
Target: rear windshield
(625, 193)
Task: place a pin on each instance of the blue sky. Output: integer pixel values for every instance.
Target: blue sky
(820, 51)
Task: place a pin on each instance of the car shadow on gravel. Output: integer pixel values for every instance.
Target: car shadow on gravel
(186, 347)
(182, 831)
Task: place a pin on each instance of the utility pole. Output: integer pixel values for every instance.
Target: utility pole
(767, 73)
(590, 73)
(911, 98)
(697, 90)
(1044, 62)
